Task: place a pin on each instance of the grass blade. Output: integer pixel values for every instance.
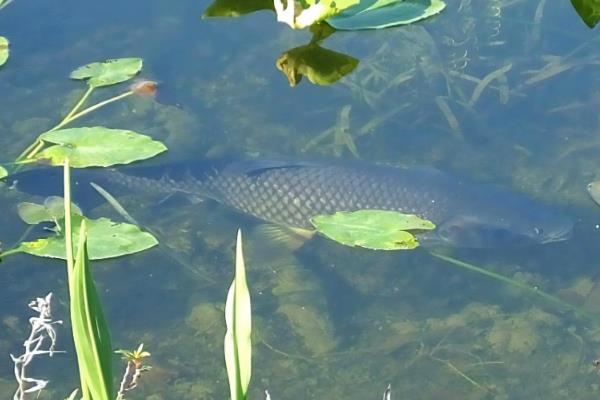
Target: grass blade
(238, 345)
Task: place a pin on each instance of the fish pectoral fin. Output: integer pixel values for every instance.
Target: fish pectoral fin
(291, 238)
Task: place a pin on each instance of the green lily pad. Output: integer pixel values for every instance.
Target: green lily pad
(52, 210)
(3, 173)
(106, 239)
(588, 10)
(98, 147)
(108, 72)
(235, 8)
(376, 14)
(372, 229)
(321, 66)
(3, 50)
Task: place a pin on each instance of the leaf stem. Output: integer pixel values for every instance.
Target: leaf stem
(36, 146)
(85, 96)
(68, 227)
(96, 106)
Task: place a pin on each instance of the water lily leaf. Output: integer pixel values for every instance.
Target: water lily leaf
(3, 50)
(372, 229)
(52, 210)
(98, 147)
(106, 239)
(321, 66)
(108, 72)
(235, 8)
(376, 14)
(3, 172)
(588, 10)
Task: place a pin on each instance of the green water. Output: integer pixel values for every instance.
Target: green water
(329, 321)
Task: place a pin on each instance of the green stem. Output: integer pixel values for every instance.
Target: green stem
(85, 96)
(96, 106)
(10, 252)
(517, 284)
(36, 146)
(68, 228)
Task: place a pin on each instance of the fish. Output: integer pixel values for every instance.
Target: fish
(289, 193)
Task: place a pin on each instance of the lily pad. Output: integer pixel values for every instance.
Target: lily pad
(376, 14)
(372, 229)
(106, 239)
(3, 173)
(98, 147)
(51, 211)
(588, 10)
(321, 66)
(108, 72)
(235, 8)
(3, 50)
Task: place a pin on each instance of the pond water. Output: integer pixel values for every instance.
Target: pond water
(504, 92)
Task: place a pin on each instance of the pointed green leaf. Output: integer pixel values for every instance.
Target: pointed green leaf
(3, 172)
(4, 52)
(108, 72)
(238, 317)
(98, 147)
(588, 10)
(376, 14)
(90, 329)
(105, 239)
(372, 229)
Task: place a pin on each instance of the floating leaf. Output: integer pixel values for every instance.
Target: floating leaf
(376, 14)
(321, 66)
(3, 50)
(3, 172)
(372, 229)
(588, 10)
(52, 210)
(106, 239)
(108, 72)
(98, 147)
(235, 8)
(238, 318)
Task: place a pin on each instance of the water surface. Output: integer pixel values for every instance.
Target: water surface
(330, 321)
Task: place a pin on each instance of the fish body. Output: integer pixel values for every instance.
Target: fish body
(291, 193)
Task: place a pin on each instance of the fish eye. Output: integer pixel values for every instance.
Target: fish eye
(538, 231)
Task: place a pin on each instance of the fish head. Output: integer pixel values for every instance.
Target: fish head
(515, 222)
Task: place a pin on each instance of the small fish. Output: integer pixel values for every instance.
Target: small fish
(289, 193)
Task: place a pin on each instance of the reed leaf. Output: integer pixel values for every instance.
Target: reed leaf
(90, 329)
(238, 344)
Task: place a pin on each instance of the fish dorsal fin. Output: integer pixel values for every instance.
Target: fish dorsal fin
(257, 167)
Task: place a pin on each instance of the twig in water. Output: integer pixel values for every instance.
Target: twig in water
(41, 329)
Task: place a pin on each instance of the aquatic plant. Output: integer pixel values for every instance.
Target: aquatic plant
(588, 10)
(96, 146)
(89, 326)
(238, 315)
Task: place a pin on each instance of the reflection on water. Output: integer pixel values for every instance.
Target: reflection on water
(499, 91)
